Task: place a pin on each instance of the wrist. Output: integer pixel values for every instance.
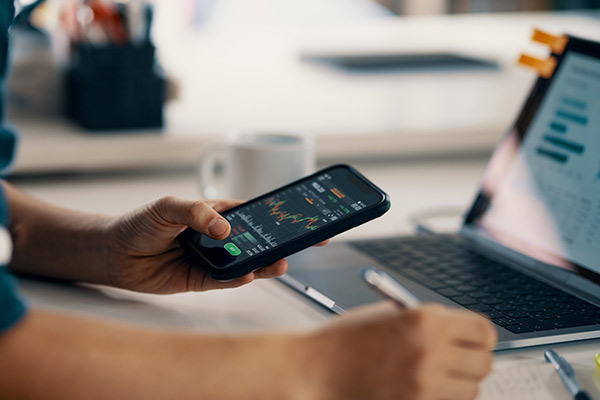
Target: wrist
(107, 240)
(314, 372)
(290, 366)
(114, 233)
(60, 244)
(93, 238)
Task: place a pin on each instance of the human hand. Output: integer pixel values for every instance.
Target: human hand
(146, 257)
(382, 352)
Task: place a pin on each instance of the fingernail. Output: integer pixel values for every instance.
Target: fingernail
(218, 226)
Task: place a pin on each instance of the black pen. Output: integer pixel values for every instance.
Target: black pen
(566, 373)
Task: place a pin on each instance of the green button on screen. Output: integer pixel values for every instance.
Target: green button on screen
(232, 249)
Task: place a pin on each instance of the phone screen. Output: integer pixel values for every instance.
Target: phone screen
(291, 213)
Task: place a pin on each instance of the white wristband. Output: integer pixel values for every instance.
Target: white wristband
(5, 246)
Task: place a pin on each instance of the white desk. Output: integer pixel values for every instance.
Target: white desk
(266, 304)
(242, 71)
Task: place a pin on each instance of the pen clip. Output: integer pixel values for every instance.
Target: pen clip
(566, 366)
(553, 358)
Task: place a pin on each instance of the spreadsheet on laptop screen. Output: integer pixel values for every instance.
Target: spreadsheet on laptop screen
(542, 188)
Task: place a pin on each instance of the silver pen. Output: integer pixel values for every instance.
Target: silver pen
(566, 373)
(389, 287)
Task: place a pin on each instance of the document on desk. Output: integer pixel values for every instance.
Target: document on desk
(534, 380)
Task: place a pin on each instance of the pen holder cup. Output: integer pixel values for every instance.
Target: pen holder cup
(115, 87)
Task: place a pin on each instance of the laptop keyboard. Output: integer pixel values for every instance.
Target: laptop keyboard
(509, 298)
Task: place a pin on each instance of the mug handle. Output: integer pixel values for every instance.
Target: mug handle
(206, 170)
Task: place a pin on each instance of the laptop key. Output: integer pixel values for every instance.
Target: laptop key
(479, 294)
(518, 328)
(536, 324)
(449, 292)
(466, 288)
(464, 300)
(425, 280)
(494, 314)
(504, 307)
(590, 313)
(492, 301)
(516, 314)
(570, 321)
(479, 308)
(517, 302)
(532, 308)
(559, 311)
(535, 298)
(503, 321)
(544, 315)
(504, 295)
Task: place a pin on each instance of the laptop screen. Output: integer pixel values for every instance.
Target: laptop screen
(541, 191)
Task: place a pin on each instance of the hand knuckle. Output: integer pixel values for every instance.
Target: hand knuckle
(417, 387)
(489, 332)
(423, 353)
(422, 319)
(166, 201)
(198, 209)
(481, 325)
(161, 207)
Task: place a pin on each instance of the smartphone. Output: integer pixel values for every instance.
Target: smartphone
(287, 220)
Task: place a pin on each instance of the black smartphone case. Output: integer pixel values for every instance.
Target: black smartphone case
(186, 238)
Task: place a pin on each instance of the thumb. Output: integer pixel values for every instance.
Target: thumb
(196, 214)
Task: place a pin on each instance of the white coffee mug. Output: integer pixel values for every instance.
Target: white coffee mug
(257, 162)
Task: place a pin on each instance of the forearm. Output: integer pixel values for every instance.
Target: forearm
(59, 357)
(54, 242)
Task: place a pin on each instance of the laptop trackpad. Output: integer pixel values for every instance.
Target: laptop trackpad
(334, 271)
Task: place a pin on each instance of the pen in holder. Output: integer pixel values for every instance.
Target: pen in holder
(113, 80)
(115, 86)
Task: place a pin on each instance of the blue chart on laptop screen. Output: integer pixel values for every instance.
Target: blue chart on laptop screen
(548, 205)
(288, 214)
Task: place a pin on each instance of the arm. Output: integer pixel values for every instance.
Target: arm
(430, 353)
(46, 236)
(51, 356)
(136, 251)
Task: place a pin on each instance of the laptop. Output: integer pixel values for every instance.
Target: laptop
(528, 253)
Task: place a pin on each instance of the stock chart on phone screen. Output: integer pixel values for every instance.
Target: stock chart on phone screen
(289, 214)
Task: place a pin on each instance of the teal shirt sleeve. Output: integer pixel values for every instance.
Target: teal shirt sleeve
(12, 307)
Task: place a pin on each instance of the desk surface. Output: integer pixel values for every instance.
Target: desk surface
(413, 186)
(252, 77)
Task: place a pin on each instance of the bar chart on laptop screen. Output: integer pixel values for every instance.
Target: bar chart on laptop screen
(557, 175)
(558, 145)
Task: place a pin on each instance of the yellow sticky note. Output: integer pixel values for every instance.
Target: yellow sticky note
(556, 44)
(597, 359)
